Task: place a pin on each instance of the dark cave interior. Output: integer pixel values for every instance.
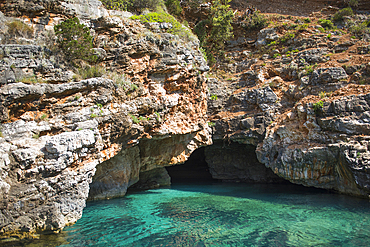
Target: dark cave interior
(195, 169)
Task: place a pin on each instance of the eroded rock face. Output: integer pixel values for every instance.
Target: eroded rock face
(114, 176)
(59, 137)
(153, 179)
(41, 188)
(82, 9)
(329, 152)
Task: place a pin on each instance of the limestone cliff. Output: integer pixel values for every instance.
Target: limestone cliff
(287, 102)
(299, 94)
(65, 139)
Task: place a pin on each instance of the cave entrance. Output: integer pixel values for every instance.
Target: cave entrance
(195, 169)
(227, 162)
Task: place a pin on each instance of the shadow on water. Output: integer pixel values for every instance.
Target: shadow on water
(289, 194)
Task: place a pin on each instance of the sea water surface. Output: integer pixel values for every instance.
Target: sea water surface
(224, 215)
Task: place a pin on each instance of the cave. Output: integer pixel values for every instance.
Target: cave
(195, 169)
(226, 162)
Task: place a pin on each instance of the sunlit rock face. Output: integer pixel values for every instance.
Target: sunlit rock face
(326, 149)
(68, 140)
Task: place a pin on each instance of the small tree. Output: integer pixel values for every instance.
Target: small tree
(221, 19)
(216, 30)
(74, 40)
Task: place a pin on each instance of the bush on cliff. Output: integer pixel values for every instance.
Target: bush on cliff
(216, 30)
(74, 40)
(221, 19)
(201, 31)
(360, 30)
(256, 21)
(340, 14)
(134, 5)
(326, 23)
(17, 29)
(86, 72)
(176, 27)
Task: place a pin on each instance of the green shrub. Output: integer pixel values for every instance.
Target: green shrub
(216, 30)
(367, 23)
(44, 117)
(324, 94)
(121, 80)
(201, 31)
(134, 119)
(213, 97)
(286, 37)
(342, 13)
(211, 124)
(117, 4)
(134, 87)
(256, 22)
(307, 20)
(211, 59)
(293, 26)
(89, 72)
(318, 106)
(310, 68)
(360, 30)
(134, 5)
(74, 40)
(204, 53)
(321, 29)
(19, 28)
(174, 7)
(326, 23)
(158, 116)
(176, 29)
(302, 27)
(30, 79)
(221, 19)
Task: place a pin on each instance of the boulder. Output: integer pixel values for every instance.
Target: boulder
(328, 75)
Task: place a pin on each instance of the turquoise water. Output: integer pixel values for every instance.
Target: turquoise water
(220, 215)
(224, 215)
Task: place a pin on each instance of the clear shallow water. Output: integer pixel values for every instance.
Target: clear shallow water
(224, 215)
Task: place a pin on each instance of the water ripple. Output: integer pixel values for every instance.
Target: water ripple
(227, 215)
